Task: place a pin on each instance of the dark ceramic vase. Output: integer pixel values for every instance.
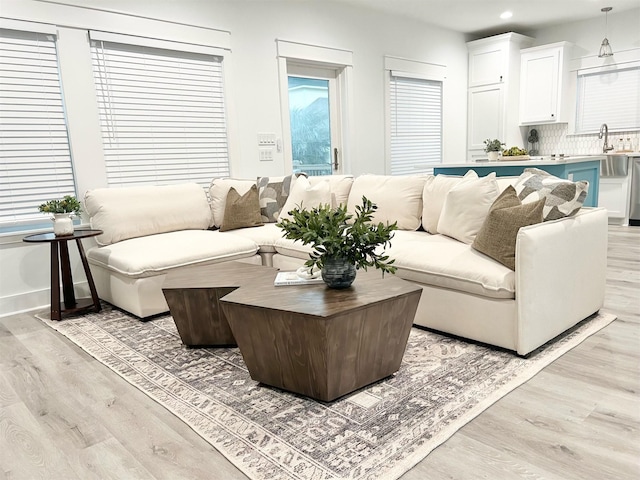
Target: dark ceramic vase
(338, 273)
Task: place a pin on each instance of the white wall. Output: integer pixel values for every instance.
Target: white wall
(254, 106)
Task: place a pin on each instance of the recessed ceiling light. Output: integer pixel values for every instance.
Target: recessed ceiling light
(505, 15)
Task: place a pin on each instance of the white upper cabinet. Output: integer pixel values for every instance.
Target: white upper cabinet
(488, 64)
(493, 95)
(544, 82)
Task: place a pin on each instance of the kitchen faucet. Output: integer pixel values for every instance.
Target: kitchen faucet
(604, 128)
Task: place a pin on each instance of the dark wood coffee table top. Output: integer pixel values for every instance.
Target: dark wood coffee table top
(319, 300)
(227, 274)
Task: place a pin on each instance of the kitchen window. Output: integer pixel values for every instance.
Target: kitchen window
(162, 112)
(608, 95)
(35, 158)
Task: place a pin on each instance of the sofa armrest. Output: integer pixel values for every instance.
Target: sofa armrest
(560, 275)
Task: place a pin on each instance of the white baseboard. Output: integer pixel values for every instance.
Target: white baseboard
(35, 300)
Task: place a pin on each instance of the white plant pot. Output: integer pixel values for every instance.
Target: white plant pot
(493, 156)
(62, 224)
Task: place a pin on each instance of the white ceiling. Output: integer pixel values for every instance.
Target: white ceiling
(483, 16)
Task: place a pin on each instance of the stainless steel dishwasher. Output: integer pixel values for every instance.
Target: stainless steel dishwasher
(634, 202)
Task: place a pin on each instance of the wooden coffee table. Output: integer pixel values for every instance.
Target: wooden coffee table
(193, 295)
(321, 342)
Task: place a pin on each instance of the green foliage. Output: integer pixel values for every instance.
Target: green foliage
(334, 233)
(68, 204)
(494, 145)
(514, 151)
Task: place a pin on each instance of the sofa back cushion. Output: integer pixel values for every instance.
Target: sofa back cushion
(130, 212)
(398, 198)
(218, 191)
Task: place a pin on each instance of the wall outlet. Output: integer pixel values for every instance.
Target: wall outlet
(265, 154)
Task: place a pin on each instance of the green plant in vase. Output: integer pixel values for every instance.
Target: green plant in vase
(62, 210)
(341, 242)
(493, 148)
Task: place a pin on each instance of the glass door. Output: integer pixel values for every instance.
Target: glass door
(313, 120)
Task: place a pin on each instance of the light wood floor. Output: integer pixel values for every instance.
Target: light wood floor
(63, 415)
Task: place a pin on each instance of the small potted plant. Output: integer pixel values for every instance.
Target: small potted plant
(493, 148)
(62, 210)
(341, 242)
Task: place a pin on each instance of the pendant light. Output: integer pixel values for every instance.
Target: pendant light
(605, 48)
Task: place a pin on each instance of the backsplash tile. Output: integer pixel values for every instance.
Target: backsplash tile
(553, 139)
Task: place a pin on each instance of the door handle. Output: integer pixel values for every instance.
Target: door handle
(335, 159)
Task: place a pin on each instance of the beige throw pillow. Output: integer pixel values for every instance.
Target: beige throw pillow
(304, 195)
(218, 191)
(241, 211)
(434, 194)
(466, 206)
(497, 237)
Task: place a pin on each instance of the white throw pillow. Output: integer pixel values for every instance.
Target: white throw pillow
(340, 187)
(218, 191)
(466, 208)
(434, 194)
(304, 195)
(397, 198)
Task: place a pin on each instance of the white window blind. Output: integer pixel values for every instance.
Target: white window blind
(611, 97)
(416, 124)
(162, 114)
(35, 161)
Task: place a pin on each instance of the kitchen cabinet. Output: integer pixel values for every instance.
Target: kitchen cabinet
(485, 114)
(544, 83)
(493, 94)
(614, 196)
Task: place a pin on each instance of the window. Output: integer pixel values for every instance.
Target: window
(608, 96)
(35, 160)
(415, 110)
(162, 114)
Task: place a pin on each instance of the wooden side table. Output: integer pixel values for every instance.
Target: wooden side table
(60, 261)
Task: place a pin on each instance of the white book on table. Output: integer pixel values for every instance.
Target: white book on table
(292, 278)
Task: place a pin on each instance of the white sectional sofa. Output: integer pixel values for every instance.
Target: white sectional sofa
(558, 277)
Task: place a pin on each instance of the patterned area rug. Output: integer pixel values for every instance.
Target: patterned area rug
(380, 431)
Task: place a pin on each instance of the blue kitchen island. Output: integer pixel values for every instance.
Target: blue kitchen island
(572, 168)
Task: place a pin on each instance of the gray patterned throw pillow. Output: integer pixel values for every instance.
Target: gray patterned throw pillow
(273, 193)
(562, 198)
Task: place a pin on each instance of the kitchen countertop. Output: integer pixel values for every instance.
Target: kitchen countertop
(529, 163)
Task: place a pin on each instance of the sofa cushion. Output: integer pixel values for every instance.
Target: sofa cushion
(444, 262)
(305, 195)
(293, 248)
(241, 211)
(130, 212)
(265, 237)
(155, 254)
(398, 198)
(273, 192)
(433, 196)
(466, 206)
(497, 237)
(218, 191)
(563, 198)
